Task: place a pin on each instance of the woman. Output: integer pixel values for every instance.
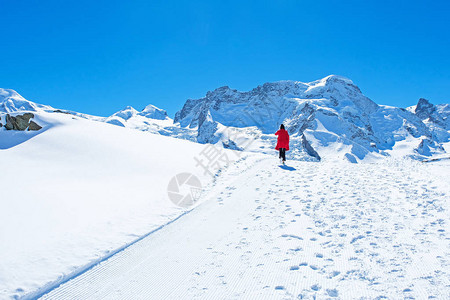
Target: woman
(283, 142)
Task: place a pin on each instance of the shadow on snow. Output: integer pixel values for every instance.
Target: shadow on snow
(284, 167)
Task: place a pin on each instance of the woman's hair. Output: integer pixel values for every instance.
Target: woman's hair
(281, 126)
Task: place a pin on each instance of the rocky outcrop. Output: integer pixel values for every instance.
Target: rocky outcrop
(350, 158)
(63, 112)
(437, 114)
(21, 122)
(424, 109)
(309, 149)
(34, 126)
(436, 118)
(426, 145)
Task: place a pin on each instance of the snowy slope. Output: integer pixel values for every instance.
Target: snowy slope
(304, 231)
(77, 190)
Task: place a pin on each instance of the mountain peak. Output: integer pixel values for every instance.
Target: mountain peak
(337, 78)
(8, 93)
(423, 102)
(331, 81)
(153, 112)
(424, 108)
(126, 113)
(223, 90)
(11, 101)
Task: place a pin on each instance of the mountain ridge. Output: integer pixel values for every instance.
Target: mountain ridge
(330, 115)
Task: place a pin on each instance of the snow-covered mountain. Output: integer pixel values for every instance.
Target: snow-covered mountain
(328, 118)
(151, 119)
(11, 101)
(150, 112)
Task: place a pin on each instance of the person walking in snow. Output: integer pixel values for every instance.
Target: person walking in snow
(282, 142)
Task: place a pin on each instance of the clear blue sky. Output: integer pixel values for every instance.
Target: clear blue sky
(99, 56)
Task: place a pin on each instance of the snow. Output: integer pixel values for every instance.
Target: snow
(86, 213)
(151, 111)
(11, 101)
(79, 190)
(306, 230)
(87, 201)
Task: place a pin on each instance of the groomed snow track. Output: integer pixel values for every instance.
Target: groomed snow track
(308, 230)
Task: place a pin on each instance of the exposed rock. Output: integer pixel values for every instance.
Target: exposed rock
(426, 145)
(34, 126)
(424, 109)
(10, 122)
(436, 118)
(206, 132)
(351, 158)
(62, 112)
(308, 148)
(21, 122)
(229, 144)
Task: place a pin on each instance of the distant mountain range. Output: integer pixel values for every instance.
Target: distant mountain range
(328, 118)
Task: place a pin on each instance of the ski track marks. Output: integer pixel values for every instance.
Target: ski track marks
(326, 231)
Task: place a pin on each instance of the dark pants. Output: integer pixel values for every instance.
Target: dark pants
(283, 153)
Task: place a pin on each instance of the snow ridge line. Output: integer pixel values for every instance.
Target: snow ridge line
(57, 283)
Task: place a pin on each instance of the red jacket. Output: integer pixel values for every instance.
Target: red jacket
(283, 139)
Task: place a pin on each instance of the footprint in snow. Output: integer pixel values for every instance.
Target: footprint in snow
(332, 292)
(356, 239)
(334, 274)
(297, 249)
(292, 236)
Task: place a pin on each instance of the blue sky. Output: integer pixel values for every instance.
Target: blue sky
(100, 56)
